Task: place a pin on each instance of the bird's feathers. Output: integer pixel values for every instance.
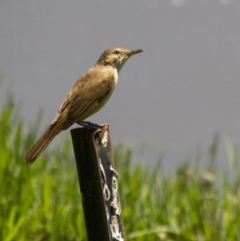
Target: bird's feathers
(86, 98)
(42, 143)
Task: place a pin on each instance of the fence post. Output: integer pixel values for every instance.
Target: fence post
(98, 183)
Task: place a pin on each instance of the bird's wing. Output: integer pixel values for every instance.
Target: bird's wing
(86, 97)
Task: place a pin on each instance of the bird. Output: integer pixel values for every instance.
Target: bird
(88, 95)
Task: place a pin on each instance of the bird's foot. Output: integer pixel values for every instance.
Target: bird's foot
(91, 125)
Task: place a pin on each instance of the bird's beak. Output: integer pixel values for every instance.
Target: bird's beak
(132, 52)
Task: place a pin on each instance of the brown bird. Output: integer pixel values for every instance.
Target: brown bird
(87, 96)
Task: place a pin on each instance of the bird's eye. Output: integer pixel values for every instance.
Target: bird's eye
(116, 52)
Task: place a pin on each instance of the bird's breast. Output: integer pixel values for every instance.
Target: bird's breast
(115, 74)
(109, 74)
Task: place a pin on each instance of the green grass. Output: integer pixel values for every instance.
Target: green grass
(42, 202)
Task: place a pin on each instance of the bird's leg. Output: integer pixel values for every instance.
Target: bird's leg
(90, 124)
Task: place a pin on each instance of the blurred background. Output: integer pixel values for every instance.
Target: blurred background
(171, 99)
(177, 101)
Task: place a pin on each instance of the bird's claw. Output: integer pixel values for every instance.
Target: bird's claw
(91, 125)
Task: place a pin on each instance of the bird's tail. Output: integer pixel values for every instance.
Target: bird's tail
(42, 143)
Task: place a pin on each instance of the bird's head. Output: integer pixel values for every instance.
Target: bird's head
(117, 57)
